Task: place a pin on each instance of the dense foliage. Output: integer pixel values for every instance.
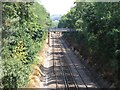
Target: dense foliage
(24, 28)
(97, 33)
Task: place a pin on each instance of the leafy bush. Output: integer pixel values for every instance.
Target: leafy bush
(99, 33)
(23, 36)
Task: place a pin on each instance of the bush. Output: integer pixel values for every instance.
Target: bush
(23, 37)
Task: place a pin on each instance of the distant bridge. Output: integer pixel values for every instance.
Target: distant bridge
(60, 30)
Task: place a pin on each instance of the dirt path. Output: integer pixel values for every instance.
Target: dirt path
(63, 69)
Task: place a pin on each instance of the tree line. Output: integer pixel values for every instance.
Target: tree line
(24, 26)
(97, 36)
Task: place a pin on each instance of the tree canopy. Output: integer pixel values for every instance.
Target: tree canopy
(97, 26)
(24, 26)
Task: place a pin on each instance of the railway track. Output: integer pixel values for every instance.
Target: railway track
(66, 70)
(61, 66)
(62, 70)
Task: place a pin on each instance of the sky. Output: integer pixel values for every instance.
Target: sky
(57, 7)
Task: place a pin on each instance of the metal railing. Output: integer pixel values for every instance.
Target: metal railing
(60, 30)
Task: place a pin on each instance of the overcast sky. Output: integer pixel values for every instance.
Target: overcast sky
(58, 7)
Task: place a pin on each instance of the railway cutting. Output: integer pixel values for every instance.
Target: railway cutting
(63, 69)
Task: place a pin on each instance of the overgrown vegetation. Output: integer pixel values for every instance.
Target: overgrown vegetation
(54, 24)
(97, 36)
(24, 26)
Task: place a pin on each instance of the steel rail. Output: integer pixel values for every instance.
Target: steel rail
(63, 73)
(74, 66)
(68, 68)
(54, 65)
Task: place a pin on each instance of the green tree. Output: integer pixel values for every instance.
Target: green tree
(23, 33)
(97, 34)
